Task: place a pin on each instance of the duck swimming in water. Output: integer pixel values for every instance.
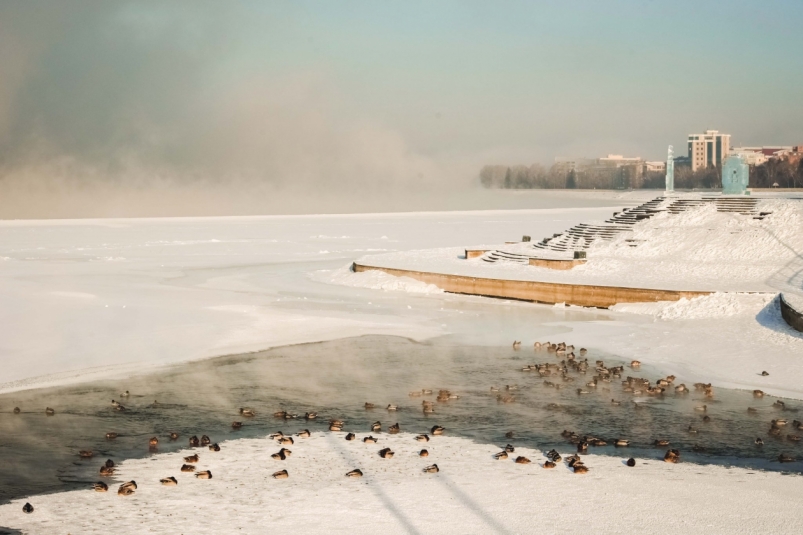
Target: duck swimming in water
(376, 427)
(354, 473)
(109, 463)
(621, 443)
(206, 474)
(759, 441)
(111, 436)
(106, 471)
(173, 436)
(205, 440)
(369, 406)
(17, 410)
(49, 411)
(392, 407)
(661, 443)
(153, 441)
(85, 454)
(249, 413)
(785, 458)
(672, 456)
(100, 486)
(701, 408)
(169, 481)
(386, 453)
(432, 469)
(194, 442)
(310, 415)
(437, 430)
(335, 427)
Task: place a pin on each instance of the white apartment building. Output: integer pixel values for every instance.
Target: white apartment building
(708, 149)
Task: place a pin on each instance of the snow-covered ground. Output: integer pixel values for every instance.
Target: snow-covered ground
(698, 249)
(472, 493)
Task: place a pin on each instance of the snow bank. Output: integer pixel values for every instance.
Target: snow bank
(472, 493)
(374, 280)
(716, 305)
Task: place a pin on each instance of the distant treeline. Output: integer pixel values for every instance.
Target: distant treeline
(785, 173)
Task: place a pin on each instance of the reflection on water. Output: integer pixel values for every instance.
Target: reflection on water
(337, 378)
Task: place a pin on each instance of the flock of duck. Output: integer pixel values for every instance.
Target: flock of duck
(558, 375)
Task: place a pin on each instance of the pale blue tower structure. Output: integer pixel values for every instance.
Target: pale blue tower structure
(670, 170)
(735, 175)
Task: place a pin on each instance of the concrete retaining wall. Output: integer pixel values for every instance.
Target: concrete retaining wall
(539, 292)
(791, 315)
(555, 264)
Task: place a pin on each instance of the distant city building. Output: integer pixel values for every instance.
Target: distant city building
(708, 149)
(613, 171)
(760, 155)
(655, 167)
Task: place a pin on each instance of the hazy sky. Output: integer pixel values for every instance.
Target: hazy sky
(378, 94)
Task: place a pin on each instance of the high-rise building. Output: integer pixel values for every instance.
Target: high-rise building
(708, 149)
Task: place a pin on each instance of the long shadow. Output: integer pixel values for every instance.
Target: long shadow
(375, 487)
(471, 505)
(9, 531)
(770, 317)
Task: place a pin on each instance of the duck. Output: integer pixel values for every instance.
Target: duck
(205, 440)
(553, 455)
(537, 345)
(111, 436)
(701, 408)
(661, 443)
(392, 407)
(549, 464)
(758, 393)
(580, 468)
(681, 389)
(785, 458)
(169, 481)
(100, 486)
(376, 427)
(510, 434)
(194, 442)
(236, 425)
(793, 438)
(27, 508)
(125, 394)
(206, 474)
(279, 456)
(423, 453)
(109, 463)
(173, 436)
(615, 403)
(281, 474)
(393, 429)
(192, 459)
(764, 373)
(370, 440)
(422, 438)
(350, 436)
(752, 410)
(672, 456)
(706, 418)
(426, 391)
(277, 414)
(354, 473)
(106, 471)
(386, 453)
(779, 422)
(759, 441)
(153, 441)
(432, 469)
(17, 410)
(285, 441)
(633, 363)
(304, 433)
(501, 456)
(509, 448)
(516, 344)
(249, 413)
(621, 443)
(49, 411)
(335, 427)
(437, 430)
(582, 446)
(187, 468)
(522, 460)
(631, 462)
(128, 488)
(310, 415)
(115, 403)
(415, 394)
(369, 406)
(779, 404)
(214, 447)
(692, 430)
(85, 454)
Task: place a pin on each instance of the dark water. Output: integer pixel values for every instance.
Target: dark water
(40, 453)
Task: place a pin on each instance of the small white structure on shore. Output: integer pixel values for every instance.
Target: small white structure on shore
(735, 175)
(670, 170)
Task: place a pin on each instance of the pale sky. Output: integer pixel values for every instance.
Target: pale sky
(323, 91)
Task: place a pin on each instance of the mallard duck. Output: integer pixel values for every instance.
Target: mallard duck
(414, 394)
(17, 410)
(285, 441)
(279, 456)
(793, 438)
(303, 433)
(205, 440)
(752, 410)
(549, 464)
(354, 473)
(426, 391)
(580, 468)
(106, 471)
(784, 458)
(759, 441)
(516, 344)
(392, 407)
(169, 481)
(153, 441)
(779, 422)
(214, 447)
(281, 474)
(236, 425)
(100, 486)
(376, 427)
(437, 430)
(501, 456)
(310, 415)
(661, 443)
(250, 413)
(369, 406)
(386, 453)
(764, 373)
(370, 440)
(173, 436)
(422, 438)
(510, 434)
(621, 443)
(206, 474)
(335, 427)
(127, 489)
(672, 456)
(49, 411)
(125, 394)
(111, 436)
(779, 404)
(509, 448)
(522, 460)
(109, 463)
(423, 453)
(615, 403)
(393, 429)
(85, 454)
(194, 442)
(187, 468)
(27, 508)
(192, 459)
(351, 436)
(633, 363)
(432, 469)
